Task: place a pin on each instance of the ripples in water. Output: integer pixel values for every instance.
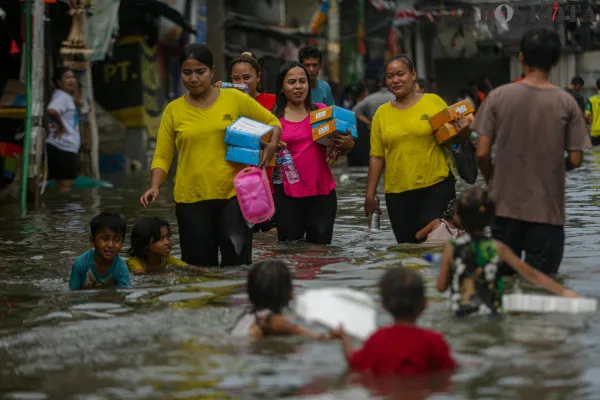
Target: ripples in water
(166, 338)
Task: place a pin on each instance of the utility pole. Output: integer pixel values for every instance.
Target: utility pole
(215, 36)
(333, 45)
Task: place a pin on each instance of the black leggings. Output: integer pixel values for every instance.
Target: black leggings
(309, 218)
(410, 211)
(208, 226)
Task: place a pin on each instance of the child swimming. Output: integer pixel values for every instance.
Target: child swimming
(440, 230)
(470, 263)
(401, 348)
(150, 250)
(270, 291)
(102, 266)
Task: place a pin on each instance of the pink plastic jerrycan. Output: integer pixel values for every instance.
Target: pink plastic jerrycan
(254, 195)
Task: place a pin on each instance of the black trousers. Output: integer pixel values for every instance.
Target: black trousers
(311, 218)
(410, 211)
(208, 226)
(543, 243)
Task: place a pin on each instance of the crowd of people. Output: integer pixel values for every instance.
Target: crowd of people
(524, 203)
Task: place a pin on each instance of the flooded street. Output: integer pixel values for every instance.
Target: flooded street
(167, 337)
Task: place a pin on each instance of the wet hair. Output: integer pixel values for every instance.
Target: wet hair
(269, 286)
(404, 59)
(450, 210)
(59, 73)
(145, 232)
(281, 100)
(198, 52)
(541, 49)
(402, 292)
(249, 58)
(577, 80)
(310, 52)
(475, 209)
(110, 220)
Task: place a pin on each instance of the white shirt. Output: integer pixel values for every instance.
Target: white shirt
(64, 105)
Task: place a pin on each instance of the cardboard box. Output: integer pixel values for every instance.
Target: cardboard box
(245, 156)
(333, 112)
(449, 132)
(248, 133)
(451, 113)
(321, 132)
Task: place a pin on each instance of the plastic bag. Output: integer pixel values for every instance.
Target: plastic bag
(463, 155)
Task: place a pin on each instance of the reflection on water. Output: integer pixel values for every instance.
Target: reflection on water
(166, 337)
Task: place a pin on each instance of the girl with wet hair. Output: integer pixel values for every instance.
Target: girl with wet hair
(440, 230)
(64, 139)
(208, 213)
(470, 262)
(150, 250)
(418, 180)
(270, 291)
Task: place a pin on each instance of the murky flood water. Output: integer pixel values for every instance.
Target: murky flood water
(166, 338)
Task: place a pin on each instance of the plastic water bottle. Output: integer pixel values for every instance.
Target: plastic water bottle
(239, 86)
(277, 175)
(435, 260)
(376, 217)
(287, 164)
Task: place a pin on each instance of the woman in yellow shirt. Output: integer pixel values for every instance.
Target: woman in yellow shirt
(207, 210)
(418, 181)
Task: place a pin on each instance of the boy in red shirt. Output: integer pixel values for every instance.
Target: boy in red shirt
(401, 348)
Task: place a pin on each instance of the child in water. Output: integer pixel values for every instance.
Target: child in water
(441, 230)
(470, 263)
(401, 348)
(150, 250)
(270, 291)
(102, 266)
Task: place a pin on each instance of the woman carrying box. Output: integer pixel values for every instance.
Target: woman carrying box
(419, 183)
(246, 69)
(306, 209)
(207, 210)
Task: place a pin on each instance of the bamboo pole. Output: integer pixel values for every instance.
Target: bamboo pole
(28, 110)
(94, 158)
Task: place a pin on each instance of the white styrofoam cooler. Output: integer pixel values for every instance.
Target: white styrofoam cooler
(547, 304)
(355, 311)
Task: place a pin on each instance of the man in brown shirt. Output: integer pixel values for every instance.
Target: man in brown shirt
(532, 123)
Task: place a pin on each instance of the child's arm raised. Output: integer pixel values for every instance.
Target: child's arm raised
(444, 277)
(531, 274)
(422, 234)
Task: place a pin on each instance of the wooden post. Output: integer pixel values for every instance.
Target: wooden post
(38, 104)
(94, 140)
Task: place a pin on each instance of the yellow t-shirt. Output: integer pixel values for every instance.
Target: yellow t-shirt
(198, 135)
(593, 108)
(137, 266)
(413, 159)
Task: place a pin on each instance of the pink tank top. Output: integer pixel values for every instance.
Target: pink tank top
(310, 160)
(443, 233)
